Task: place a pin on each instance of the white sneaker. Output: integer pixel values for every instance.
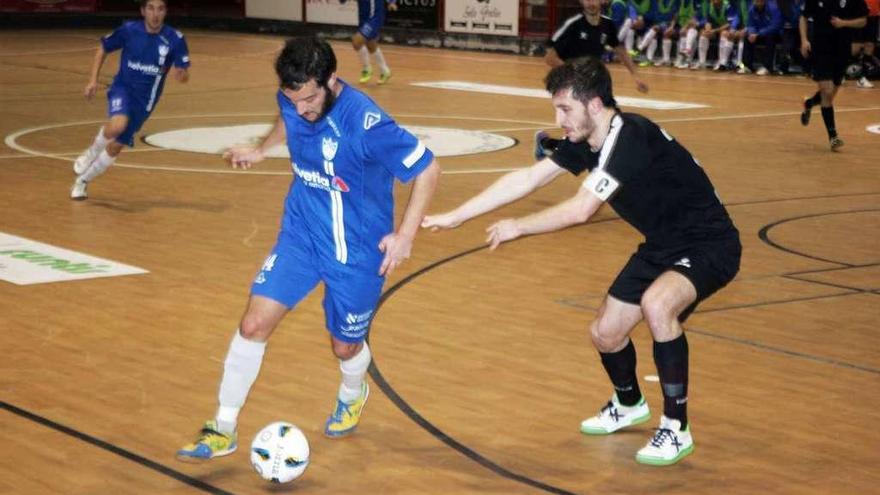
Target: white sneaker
(669, 445)
(696, 65)
(615, 416)
(78, 191)
(762, 71)
(744, 70)
(82, 162)
(863, 82)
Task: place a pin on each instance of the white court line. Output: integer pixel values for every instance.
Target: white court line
(11, 139)
(71, 154)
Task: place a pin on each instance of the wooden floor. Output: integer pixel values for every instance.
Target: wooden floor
(484, 369)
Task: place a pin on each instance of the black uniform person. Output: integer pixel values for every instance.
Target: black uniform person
(586, 35)
(691, 246)
(826, 37)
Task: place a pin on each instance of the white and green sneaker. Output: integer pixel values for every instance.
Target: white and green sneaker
(669, 445)
(615, 416)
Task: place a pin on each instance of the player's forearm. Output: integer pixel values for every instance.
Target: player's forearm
(275, 137)
(802, 27)
(510, 187)
(573, 211)
(97, 63)
(422, 192)
(624, 57)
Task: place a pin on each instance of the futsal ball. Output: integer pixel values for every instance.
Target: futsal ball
(280, 452)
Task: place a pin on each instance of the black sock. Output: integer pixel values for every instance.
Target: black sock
(621, 368)
(828, 117)
(814, 100)
(671, 359)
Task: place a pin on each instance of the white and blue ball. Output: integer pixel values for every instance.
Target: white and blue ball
(280, 452)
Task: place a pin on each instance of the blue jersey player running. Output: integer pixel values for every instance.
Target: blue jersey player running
(150, 50)
(338, 228)
(371, 18)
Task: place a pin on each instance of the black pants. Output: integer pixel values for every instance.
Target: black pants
(769, 43)
(791, 41)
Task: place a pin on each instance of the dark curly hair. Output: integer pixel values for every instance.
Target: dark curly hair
(587, 78)
(304, 59)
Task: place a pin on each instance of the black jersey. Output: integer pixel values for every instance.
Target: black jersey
(820, 12)
(578, 38)
(652, 182)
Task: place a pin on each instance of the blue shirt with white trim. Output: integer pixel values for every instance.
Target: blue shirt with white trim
(146, 58)
(344, 166)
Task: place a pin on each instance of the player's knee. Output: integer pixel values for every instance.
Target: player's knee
(656, 310)
(606, 337)
(255, 327)
(345, 350)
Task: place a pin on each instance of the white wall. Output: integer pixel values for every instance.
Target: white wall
(288, 10)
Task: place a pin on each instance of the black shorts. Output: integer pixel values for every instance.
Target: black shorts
(708, 266)
(829, 57)
(868, 34)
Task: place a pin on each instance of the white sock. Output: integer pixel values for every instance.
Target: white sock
(625, 30)
(667, 49)
(724, 48)
(98, 167)
(380, 61)
(364, 55)
(98, 144)
(652, 47)
(739, 51)
(704, 49)
(353, 372)
(630, 40)
(681, 46)
(647, 39)
(689, 41)
(243, 361)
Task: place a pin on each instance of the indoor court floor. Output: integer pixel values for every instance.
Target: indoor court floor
(483, 367)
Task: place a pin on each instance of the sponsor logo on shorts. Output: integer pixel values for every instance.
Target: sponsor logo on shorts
(685, 262)
(357, 324)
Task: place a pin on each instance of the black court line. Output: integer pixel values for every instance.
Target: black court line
(802, 355)
(420, 420)
(763, 234)
(109, 447)
(832, 269)
(822, 282)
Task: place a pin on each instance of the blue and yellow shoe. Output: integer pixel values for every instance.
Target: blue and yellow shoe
(345, 417)
(209, 444)
(384, 77)
(366, 75)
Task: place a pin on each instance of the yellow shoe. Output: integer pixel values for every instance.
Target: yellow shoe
(384, 77)
(346, 416)
(366, 75)
(209, 444)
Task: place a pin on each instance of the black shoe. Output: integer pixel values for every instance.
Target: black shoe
(836, 143)
(805, 115)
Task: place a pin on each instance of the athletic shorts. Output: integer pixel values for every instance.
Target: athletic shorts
(371, 18)
(708, 266)
(869, 33)
(120, 103)
(829, 58)
(292, 270)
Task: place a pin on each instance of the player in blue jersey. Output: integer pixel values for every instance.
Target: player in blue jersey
(371, 18)
(150, 50)
(337, 228)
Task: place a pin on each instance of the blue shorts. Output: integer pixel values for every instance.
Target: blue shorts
(371, 18)
(293, 270)
(119, 102)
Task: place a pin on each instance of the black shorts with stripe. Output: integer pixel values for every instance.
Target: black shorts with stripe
(708, 266)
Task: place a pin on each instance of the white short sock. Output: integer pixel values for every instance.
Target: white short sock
(364, 56)
(353, 372)
(380, 61)
(240, 370)
(98, 167)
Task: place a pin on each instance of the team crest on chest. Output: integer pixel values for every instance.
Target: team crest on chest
(328, 148)
(163, 52)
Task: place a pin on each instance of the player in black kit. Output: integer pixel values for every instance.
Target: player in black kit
(827, 28)
(691, 246)
(586, 35)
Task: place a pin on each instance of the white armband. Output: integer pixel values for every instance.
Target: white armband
(600, 183)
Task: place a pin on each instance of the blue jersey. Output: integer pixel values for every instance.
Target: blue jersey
(345, 165)
(145, 60)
